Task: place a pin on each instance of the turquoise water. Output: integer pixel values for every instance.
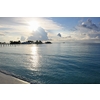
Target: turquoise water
(57, 63)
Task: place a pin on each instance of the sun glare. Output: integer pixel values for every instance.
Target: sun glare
(33, 25)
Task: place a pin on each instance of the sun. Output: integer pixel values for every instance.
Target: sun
(33, 25)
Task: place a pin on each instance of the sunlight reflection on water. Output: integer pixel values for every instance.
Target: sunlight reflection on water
(34, 59)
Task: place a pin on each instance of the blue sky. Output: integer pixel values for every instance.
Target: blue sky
(73, 21)
(53, 28)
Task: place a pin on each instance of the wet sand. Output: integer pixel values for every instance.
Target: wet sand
(7, 79)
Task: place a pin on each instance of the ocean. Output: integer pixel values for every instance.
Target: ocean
(56, 63)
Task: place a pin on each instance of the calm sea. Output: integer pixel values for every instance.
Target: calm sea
(57, 63)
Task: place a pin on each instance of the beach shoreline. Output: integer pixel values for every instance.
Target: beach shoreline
(7, 79)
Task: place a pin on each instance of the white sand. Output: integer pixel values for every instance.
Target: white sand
(7, 79)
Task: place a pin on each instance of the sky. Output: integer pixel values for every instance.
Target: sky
(56, 29)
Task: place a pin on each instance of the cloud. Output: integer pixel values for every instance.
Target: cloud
(19, 26)
(1, 34)
(39, 34)
(59, 34)
(12, 21)
(48, 23)
(22, 38)
(83, 31)
(14, 27)
(68, 37)
(88, 24)
(86, 30)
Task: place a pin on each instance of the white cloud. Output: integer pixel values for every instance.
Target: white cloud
(19, 26)
(90, 25)
(39, 34)
(86, 30)
(15, 27)
(22, 38)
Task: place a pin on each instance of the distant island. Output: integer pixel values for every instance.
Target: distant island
(30, 42)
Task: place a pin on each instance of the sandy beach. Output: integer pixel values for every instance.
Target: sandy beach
(7, 79)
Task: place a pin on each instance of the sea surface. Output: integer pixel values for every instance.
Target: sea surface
(56, 63)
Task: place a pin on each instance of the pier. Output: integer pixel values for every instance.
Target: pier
(8, 44)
